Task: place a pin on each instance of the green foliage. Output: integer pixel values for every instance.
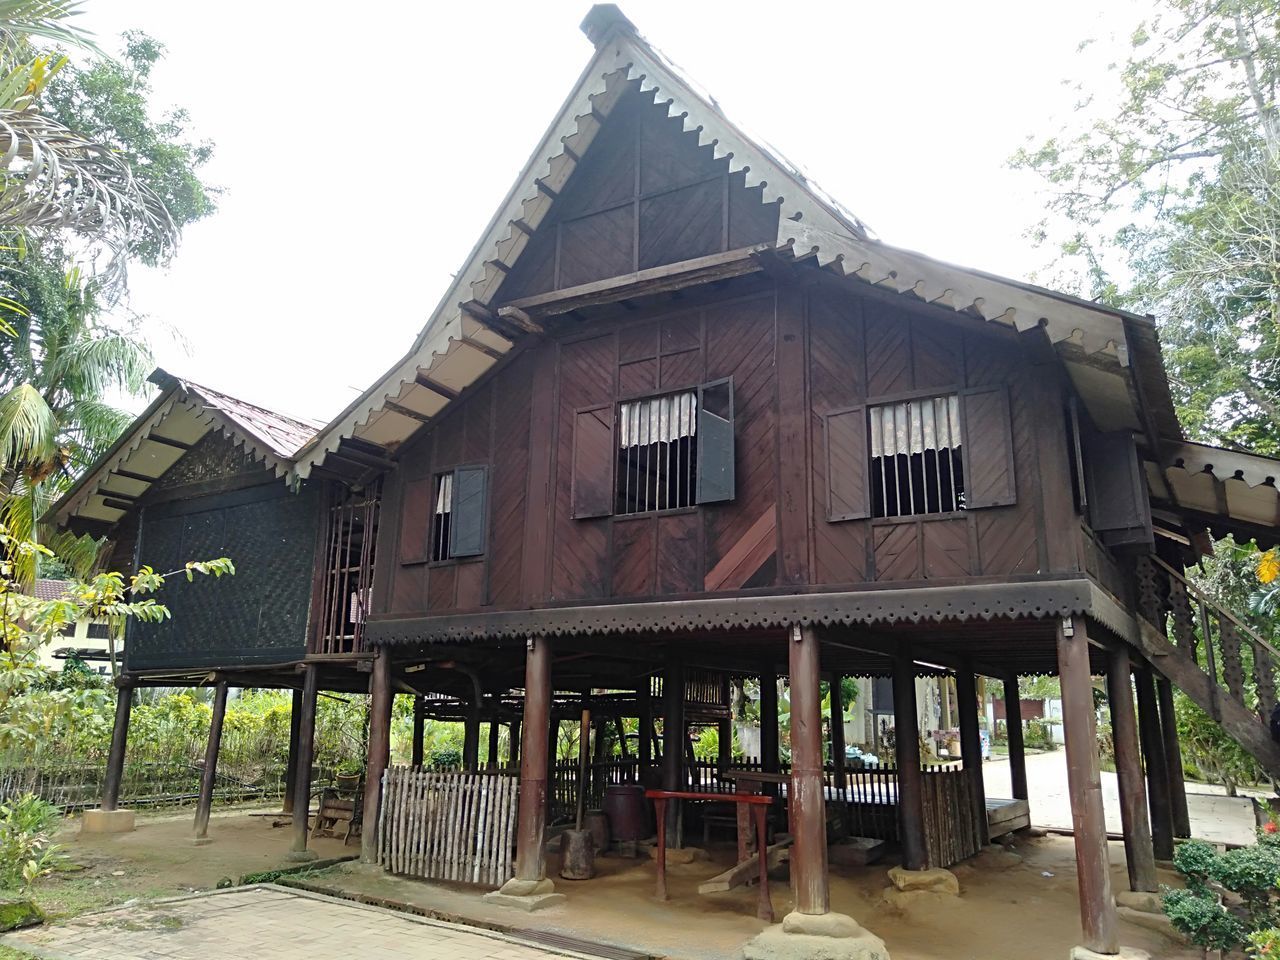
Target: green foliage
(26, 850)
(1229, 896)
(1216, 755)
(1264, 944)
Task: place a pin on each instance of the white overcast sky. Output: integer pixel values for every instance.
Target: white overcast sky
(363, 149)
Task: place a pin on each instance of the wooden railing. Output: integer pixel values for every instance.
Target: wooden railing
(1238, 659)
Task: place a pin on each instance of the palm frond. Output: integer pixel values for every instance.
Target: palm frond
(53, 178)
(91, 366)
(46, 19)
(93, 425)
(28, 428)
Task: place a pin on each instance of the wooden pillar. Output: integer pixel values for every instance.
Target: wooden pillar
(471, 736)
(380, 699)
(1017, 750)
(1151, 738)
(724, 729)
(1084, 785)
(513, 745)
(209, 775)
(807, 796)
(620, 731)
(1139, 856)
(494, 727)
(769, 720)
(291, 765)
(837, 732)
(119, 740)
(674, 739)
(971, 743)
(532, 818)
(906, 732)
(644, 725)
(302, 778)
(1173, 759)
(584, 761)
(419, 730)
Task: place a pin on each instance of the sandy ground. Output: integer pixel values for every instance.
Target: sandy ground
(1214, 816)
(1026, 911)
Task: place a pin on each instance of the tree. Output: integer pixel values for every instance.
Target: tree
(67, 351)
(1169, 203)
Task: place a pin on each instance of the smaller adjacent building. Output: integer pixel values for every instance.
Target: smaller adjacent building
(88, 640)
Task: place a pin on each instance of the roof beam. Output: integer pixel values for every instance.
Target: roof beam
(439, 389)
(484, 348)
(664, 279)
(130, 475)
(117, 504)
(169, 441)
(406, 411)
(478, 312)
(360, 458)
(118, 494)
(520, 319)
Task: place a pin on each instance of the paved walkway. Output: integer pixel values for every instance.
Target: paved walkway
(1214, 816)
(265, 921)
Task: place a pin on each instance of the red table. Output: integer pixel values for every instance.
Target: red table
(757, 803)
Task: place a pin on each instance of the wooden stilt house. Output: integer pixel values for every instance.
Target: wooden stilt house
(682, 420)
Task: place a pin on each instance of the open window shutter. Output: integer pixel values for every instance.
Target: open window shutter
(847, 456)
(715, 442)
(1119, 504)
(415, 520)
(988, 448)
(467, 527)
(593, 461)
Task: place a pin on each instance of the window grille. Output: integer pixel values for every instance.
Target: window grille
(97, 631)
(351, 529)
(916, 461)
(657, 453)
(443, 517)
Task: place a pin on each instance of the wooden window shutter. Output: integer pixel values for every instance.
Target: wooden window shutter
(988, 448)
(467, 527)
(593, 461)
(415, 520)
(847, 456)
(715, 442)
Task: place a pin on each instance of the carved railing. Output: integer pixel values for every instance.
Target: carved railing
(1238, 660)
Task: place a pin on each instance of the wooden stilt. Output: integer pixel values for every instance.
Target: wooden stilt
(769, 720)
(209, 775)
(584, 762)
(492, 760)
(419, 730)
(302, 782)
(1017, 751)
(673, 743)
(1173, 759)
(644, 726)
(807, 795)
(1097, 908)
(291, 765)
(620, 732)
(1139, 856)
(380, 701)
(471, 737)
(837, 732)
(906, 727)
(971, 744)
(119, 740)
(513, 744)
(1151, 737)
(530, 863)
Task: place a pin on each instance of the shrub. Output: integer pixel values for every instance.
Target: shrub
(1230, 896)
(26, 850)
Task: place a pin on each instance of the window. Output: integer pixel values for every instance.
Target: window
(99, 631)
(657, 453)
(917, 465)
(443, 517)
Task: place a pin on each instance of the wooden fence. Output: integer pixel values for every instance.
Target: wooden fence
(951, 832)
(448, 826)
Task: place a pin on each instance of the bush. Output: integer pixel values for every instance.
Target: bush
(26, 850)
(1230, 896)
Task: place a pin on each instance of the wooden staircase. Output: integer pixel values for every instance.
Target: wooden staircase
(1213, 656)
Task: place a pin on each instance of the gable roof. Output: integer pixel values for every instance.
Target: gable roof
(178, 418)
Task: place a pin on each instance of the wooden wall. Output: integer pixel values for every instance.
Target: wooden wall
(795, 353)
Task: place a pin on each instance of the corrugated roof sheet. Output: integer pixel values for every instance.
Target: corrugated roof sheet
(283, 435)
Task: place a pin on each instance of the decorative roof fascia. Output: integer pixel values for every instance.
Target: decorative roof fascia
(1254, 469)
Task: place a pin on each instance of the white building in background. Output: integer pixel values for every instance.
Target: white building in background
(87, 639)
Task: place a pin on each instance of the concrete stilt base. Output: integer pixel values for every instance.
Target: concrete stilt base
(527, 895)
(827, 936)
(301, 856)
(1126, 953)
(107, 821)
(1138, 900)
(201, 841)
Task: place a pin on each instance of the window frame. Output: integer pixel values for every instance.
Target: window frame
(434, 478)
(914, 396)
(696, 393)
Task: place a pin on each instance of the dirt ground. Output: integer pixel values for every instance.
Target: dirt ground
(1020, 911)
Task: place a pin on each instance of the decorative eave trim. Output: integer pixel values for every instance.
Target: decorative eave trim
(1090, 328)
(253, 447)
(1221, 464)
(980, 602)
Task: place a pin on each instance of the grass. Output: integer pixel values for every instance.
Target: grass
(9, 953)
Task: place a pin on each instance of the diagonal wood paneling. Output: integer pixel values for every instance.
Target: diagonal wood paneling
(509, 485)
(634, 546)
(897, 551)
(597, 246)
(887, 349)
(683, 224)
(681, 370)
(937, 355)
(678, 561)
(946, 548)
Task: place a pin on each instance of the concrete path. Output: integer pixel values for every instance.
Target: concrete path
(265, 921)
(1214, 816)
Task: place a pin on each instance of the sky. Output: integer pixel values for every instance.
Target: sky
(361, 151)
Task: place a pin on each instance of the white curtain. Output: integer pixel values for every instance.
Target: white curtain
(659, 420)
(444, 494)
(915, 426)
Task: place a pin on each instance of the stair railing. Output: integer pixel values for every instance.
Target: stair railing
(1209, 634)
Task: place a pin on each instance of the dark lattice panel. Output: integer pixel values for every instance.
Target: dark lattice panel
(260, 614)
(213, 457)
